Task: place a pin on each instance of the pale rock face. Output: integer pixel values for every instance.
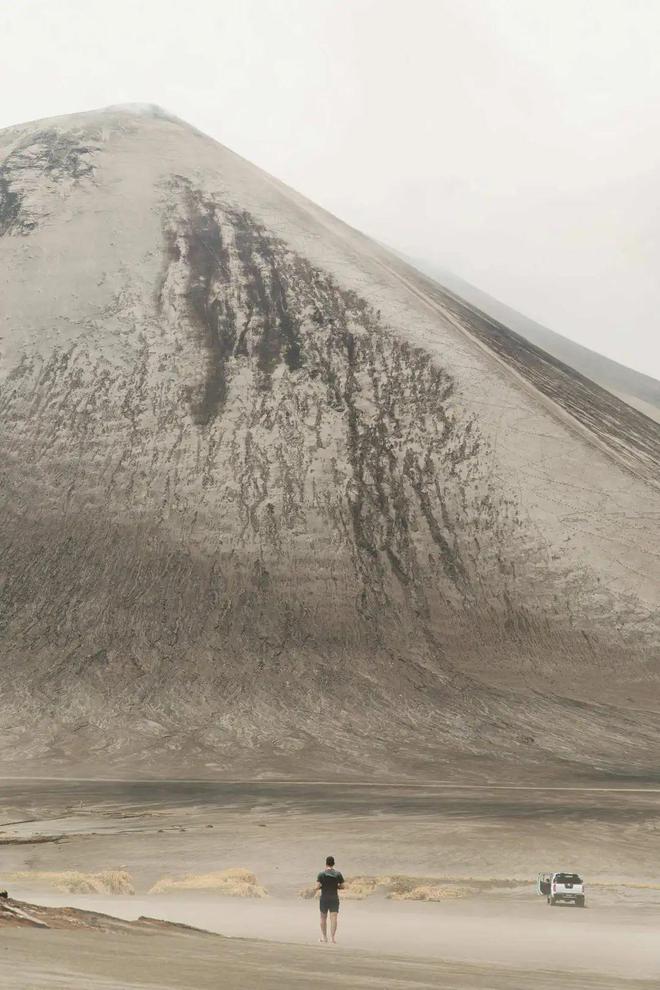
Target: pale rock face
(266, 490)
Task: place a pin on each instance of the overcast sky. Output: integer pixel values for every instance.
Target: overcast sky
(514, 142)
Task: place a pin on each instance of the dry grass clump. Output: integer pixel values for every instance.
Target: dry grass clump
(396, 888)
(428, 892)
(355, 888)
(402, 888)
(74, 882)
(235, 882)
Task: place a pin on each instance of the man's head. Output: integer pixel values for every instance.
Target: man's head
(329, 860)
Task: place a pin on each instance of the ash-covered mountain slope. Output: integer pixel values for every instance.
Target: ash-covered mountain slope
(268, 505)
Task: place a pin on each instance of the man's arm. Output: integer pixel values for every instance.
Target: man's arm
(340, 885)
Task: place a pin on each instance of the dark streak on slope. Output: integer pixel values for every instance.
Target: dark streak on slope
(268, 341)
(267, 291)
(208, 263)
(10, 204)
(270, 324)
(58, 157)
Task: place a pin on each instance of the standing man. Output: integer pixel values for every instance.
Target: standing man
(329, 882)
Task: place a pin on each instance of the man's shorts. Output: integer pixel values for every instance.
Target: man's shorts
(330, 904)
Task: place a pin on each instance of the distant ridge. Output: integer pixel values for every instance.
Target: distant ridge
(637, 389)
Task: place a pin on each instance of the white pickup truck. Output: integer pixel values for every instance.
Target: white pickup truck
(562, 888)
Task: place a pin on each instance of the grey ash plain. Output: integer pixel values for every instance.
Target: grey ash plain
(490, 840)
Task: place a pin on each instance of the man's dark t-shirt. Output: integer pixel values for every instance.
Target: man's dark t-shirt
(330, 880)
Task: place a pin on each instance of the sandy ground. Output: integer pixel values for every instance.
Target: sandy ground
(490, 841)
(518, 933)
(63, 961)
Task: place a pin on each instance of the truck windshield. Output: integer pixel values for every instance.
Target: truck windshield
(567, 878)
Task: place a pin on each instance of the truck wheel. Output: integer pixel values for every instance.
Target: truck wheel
(552, 902)
(580, 902)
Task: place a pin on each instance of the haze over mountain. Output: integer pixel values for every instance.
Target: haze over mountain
(640, 391)
(271, 502)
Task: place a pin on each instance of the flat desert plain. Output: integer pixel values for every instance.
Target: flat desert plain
(162, 850)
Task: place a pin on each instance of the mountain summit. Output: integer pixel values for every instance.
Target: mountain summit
(269, 504)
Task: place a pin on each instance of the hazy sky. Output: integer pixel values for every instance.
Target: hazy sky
(513, 142)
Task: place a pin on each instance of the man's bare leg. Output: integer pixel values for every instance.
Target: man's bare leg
(324, 927)
(333, 925)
